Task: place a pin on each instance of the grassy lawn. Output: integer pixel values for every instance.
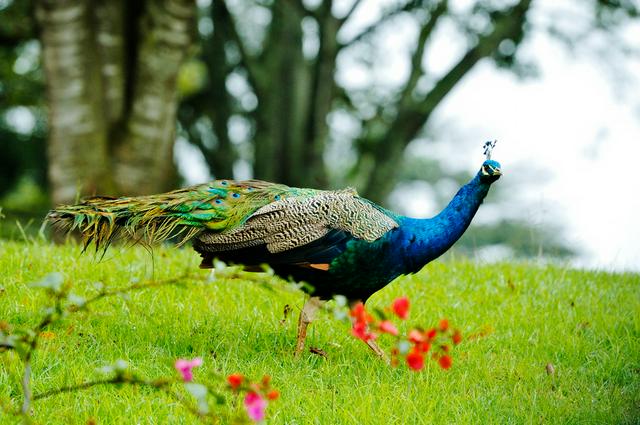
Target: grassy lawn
(523, 317)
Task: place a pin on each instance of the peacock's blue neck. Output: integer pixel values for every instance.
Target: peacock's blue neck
(427, 239)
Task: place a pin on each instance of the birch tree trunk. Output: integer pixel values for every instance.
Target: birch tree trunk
(111, 72)
(78, 146)
(144, 158)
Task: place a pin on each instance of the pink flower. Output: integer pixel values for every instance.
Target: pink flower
(255, 406)
(387, 327)
(184, 367)
(401, 307)
(416, 336)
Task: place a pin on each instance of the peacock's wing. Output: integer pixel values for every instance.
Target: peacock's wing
(301, 216)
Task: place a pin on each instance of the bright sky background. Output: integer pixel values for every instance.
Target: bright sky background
(569, 141)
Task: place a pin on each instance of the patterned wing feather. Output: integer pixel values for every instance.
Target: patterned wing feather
(297, 219)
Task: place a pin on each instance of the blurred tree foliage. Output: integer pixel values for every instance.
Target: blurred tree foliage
(259, 87)
(273, 91)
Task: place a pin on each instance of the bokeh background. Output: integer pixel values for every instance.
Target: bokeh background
(394, 98)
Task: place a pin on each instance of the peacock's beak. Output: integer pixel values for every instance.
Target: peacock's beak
(497, 171)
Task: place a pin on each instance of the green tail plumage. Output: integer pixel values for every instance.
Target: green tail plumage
(216, 206)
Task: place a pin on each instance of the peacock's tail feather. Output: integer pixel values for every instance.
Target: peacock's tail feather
(216, 206)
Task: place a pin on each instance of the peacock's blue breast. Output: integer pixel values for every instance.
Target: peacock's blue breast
(366, 267)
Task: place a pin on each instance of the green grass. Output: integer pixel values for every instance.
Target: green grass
(587, 324)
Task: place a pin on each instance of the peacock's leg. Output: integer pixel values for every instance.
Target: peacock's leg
(307, 315)
(379, 352)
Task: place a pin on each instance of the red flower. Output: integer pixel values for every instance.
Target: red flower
(265, 381)
(423, 347)
(431, 333)
(401, 307)
(273, 394)
(415, 336)
(415, 360)
(235, 380)
(456, 337)
(387, 327)
(360, 315)
(359, 330)
(444, 325)
(445, 361)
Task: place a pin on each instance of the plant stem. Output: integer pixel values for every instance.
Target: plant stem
(26, 388)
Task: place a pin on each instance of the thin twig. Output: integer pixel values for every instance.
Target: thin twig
(140, 286)
(33, 344)
(346, 17)
(70, 388)
(161, 385)
(26, 388)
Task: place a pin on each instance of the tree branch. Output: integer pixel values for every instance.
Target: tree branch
(386, 152)
(352, 9)
(410, 5)
(506, 24)
(416, 61)
(302, 9)
(246, 60)
(321, 96)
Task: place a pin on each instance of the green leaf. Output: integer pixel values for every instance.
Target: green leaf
(52, 281)
(199, 392)
(341, 300)
(76, 300)
(121, 366)
(404, 347)
(340, 315)
(108, 369)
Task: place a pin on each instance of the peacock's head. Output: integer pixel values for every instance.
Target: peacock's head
(490, 171)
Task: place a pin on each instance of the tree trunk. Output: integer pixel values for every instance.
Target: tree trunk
(77, 148)
(281, 116)
(320, 100)
(112, 93)
(144, 158)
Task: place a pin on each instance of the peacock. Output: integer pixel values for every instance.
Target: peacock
(334, 240)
